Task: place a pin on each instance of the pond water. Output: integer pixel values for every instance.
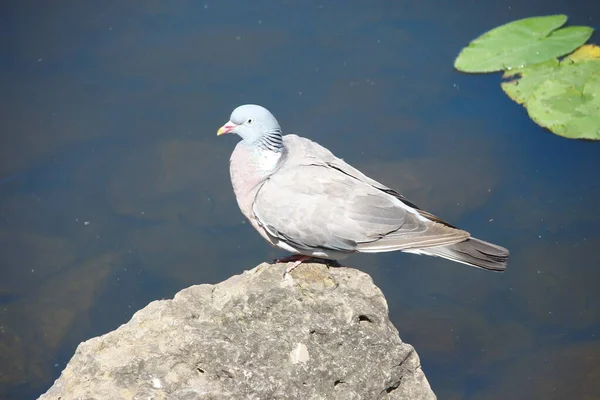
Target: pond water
(114, 188)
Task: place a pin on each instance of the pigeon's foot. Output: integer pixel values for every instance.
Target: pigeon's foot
(293, 257)
(298, 259)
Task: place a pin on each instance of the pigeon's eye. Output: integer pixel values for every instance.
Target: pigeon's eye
(249, 120)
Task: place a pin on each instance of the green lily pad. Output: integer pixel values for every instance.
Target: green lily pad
(521, 43)
(530, 78)
(561, 96)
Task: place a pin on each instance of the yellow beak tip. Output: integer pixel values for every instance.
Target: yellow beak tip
(228, 127)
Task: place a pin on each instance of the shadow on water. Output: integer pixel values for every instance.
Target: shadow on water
(114, 190)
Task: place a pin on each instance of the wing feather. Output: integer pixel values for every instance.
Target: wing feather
(315, 206)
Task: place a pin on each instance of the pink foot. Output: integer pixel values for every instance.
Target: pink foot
(295, 259)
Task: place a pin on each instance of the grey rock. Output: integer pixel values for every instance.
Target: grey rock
(320, 333)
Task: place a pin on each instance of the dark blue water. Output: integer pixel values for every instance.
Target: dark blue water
(114, 189)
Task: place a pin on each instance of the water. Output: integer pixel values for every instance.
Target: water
(114, 188)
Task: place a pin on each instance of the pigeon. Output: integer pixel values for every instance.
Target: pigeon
(303, 199)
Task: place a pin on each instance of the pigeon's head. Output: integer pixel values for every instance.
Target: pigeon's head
(252, 123)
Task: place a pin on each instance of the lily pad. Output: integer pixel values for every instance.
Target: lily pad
(521, 43)
(561, 96)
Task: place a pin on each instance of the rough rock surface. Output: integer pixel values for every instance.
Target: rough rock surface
(321, 333)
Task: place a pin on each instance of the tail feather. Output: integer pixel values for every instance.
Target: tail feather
(473, 252)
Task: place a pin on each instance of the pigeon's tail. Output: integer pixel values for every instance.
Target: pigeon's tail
(473, 252)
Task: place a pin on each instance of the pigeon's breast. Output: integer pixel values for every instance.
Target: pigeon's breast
(249, 170)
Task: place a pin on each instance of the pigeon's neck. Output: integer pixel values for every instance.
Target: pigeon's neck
(271, 141)
(266, 152)
(255, 162)
(265, 160)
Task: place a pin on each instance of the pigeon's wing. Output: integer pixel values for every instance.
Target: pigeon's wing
(313, 205)
(305, 148)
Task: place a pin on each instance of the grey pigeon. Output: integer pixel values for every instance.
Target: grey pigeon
(303, 199)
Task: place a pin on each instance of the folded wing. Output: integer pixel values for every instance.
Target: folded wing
(317, 201)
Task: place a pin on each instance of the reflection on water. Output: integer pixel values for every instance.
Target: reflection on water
(114, 189)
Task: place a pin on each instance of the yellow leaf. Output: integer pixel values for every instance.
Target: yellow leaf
(586, 52)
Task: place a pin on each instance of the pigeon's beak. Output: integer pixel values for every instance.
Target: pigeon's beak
(228, 127)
